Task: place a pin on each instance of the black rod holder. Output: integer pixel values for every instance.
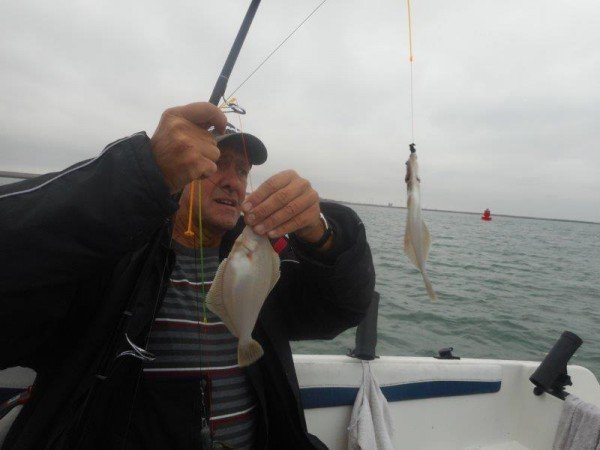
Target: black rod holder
(366, 333)
(551, 375)
(221, 84)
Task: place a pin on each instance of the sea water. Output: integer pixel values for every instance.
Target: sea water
(506, 289)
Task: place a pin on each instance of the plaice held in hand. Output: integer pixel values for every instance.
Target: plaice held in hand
(241, 285)
(416, 238)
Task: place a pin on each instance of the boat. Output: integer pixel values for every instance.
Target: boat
(446, 402)
(487, 215)
(436, 403)
(433, 406)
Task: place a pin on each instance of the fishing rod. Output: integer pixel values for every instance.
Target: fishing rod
(206, 436)
(221, 84)
(218, 92)
(411, 59)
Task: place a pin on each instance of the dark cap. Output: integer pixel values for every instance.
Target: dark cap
(256, 150)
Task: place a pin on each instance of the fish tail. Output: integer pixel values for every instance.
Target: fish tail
(249, 352)
(428, 286)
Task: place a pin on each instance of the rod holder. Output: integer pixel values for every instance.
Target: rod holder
(365, 340)
(551, 375)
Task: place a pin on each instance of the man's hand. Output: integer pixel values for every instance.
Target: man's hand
(182, 148)
(285, 203)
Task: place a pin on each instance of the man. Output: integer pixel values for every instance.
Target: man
(90, 279)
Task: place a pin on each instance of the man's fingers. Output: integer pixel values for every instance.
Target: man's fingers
(207, 160)
(264, 191)
(202, 139)
(183, 148)
(204, 169)
(290, 212)
(202, 114)
(282, 204)
(297, 222)
(278, 199)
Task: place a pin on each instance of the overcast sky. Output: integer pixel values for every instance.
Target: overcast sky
(507, 93)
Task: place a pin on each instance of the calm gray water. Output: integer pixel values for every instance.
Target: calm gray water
(507, 288)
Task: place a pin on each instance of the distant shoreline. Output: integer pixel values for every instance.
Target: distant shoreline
(22, 175)
(463, 212)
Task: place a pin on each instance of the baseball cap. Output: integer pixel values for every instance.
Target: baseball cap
(255, 149)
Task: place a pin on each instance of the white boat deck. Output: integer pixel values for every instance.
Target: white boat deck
(467, 404)
(512, 417)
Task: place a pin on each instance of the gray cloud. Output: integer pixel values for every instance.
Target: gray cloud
(506, 93)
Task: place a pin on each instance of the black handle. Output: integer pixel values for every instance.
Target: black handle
(551, 376)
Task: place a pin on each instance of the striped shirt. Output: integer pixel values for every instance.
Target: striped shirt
(188, 347)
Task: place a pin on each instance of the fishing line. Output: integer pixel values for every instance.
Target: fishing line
(411, 59)
(189, 231)
(230, 62)
(236, 109)
(199, 246)
(201, 292)
(201, 238)
(247, 160)
(276, 48)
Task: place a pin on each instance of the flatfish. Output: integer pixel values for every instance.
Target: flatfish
(416, 238)
(241, 285)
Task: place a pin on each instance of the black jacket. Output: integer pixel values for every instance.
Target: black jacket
(85, 256)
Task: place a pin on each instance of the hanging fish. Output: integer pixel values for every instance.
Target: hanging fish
(241, 285)
(416, 238)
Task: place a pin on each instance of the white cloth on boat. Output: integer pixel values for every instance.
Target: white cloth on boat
(371, 425)
(578, 426)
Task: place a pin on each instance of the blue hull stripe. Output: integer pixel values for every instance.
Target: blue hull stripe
(327, 397)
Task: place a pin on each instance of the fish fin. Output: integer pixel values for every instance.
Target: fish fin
(428, 286)
(215, 301)
(426, 241)
(409, 250)
(275, 274)
(249, 352)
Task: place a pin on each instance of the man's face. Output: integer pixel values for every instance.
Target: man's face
(224, 191)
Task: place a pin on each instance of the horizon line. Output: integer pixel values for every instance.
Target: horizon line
(464, 212)
(25, 175)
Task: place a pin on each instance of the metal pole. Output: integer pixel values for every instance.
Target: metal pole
(366, 333)
(221, 85)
